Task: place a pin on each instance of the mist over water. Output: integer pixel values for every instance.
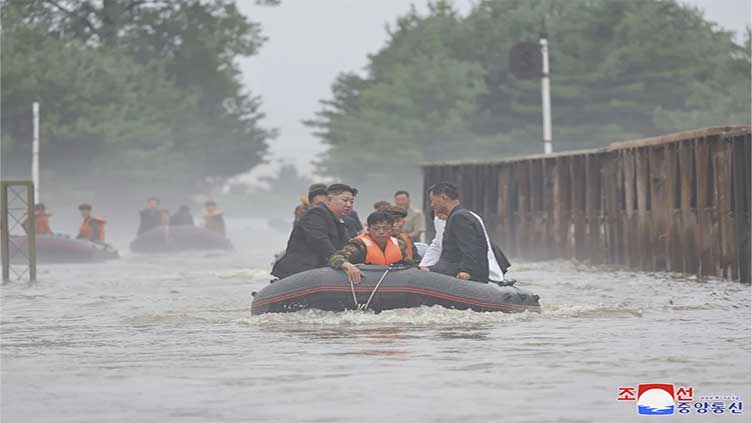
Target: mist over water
(171, 339)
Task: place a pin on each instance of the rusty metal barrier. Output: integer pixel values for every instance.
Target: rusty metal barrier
(678, 203)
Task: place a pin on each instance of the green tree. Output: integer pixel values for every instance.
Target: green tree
(441, 87)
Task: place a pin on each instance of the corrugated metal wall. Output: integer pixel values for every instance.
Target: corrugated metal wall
(677, 203)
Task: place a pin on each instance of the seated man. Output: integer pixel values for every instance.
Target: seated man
(41, 220)
(149, 218)
(214, 219)
(399, 214)
(375, 246)
(318, 234)
(464, 250)
(92, 228)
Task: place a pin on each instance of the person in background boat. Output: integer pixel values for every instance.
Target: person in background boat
(149, 218)
(182, 217)
(316, 195)
(318, 234)
(353, 224)
(433, 252)
(381, 205)
(375, 246)
(164, 217)
(464, 251)
(41, 220)
(92, 228)
(214, 219)
(399, 214)
(415, 222)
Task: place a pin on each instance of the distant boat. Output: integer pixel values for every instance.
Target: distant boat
(165, 239)
(60, 248)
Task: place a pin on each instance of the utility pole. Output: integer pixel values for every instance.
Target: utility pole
(35, 152)
(545, 92)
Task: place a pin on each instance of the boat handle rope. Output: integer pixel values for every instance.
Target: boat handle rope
(365, 306)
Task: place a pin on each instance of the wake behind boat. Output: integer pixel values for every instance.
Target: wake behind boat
(401, 287)
(179, 238)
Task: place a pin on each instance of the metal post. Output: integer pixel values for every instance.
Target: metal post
(35, 152)
(17, 215)
(546, 96)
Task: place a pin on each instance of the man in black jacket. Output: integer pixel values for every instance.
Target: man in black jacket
(464, 252)
(150, 216)
(318, 234)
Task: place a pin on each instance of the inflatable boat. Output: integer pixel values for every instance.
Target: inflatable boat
(386, 288)
(59, 248)
(179, 238)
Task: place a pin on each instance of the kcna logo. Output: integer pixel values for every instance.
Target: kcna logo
(655, 399)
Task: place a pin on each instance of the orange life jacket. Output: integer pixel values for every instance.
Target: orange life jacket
(42, 223)
(374, 254)
(409, 243)
(87, 229)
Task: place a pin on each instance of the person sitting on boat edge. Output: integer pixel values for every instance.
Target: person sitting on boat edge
(399, 214)
(214, 219)
(375, 246)
(464, 252)
(318, 234)
(150, 217)
(41, 221)
(92, 228)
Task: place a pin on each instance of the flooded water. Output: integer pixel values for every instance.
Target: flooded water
(171, 339)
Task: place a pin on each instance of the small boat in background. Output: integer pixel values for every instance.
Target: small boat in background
(165, 239)
(60, 248)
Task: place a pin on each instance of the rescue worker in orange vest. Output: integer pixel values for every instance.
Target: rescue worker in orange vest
(375, 246)
(92, 228)
(398, 231)
(41, 220)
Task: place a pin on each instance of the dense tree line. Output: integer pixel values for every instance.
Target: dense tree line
(441, 88)
(135, 91)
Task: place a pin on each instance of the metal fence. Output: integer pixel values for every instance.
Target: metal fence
(17, 238)
(678, 203)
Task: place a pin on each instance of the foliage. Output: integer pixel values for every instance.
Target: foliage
(441, 87)
(146, 90)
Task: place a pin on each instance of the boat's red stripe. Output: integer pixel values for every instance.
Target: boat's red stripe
(329, 288)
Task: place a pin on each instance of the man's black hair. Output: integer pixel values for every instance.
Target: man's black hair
(379, 217)
(401, 192)
(381, 205)
(314, 193)
(84, 206)
(396, 212)
(336, 189)
(210, 203)
(39, 206)
(317, 187)
(446, 188)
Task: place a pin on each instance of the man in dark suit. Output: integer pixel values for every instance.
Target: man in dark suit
(318, 234)
(464, 252)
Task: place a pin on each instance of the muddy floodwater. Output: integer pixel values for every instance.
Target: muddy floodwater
(171, 339)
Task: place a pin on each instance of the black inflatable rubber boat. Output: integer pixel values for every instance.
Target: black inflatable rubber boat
(59, 248)
(179, 238)
(328, 289)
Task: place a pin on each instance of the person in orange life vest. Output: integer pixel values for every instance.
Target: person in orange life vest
(41, 220)
(398, 231)
(375, 246)
(92, 228)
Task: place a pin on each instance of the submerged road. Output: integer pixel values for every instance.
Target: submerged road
(171, 339)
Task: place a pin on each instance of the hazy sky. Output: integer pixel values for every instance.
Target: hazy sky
(311, 41)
